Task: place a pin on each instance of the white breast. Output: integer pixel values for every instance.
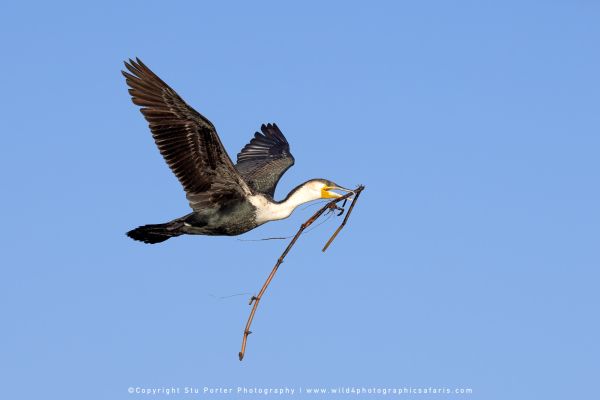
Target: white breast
(267, 211)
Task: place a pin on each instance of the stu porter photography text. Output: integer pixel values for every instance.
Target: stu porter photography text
(291, 391)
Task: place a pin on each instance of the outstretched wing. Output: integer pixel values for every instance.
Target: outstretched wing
(265, 159)
(187, 140)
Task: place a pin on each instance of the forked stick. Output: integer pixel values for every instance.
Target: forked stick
(256, 299)
(357, 192)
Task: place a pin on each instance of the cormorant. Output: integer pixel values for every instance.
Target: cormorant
(226, 199)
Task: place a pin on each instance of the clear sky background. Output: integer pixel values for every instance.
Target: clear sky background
(471, 259)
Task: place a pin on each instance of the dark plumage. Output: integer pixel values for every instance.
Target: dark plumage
(264, 160)
(225, 199)
(187, 140)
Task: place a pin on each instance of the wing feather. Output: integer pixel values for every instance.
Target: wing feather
(188, 141)
(264, 160)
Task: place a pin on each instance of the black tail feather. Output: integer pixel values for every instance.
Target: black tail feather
(156, 233)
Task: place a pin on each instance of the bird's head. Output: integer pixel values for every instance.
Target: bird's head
(324, 189)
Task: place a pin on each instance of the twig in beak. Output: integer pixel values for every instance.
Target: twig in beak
(254, 300)
(356, 194)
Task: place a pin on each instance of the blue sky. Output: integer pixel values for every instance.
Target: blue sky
(471, 259)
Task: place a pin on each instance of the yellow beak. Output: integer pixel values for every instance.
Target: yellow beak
(326, 192)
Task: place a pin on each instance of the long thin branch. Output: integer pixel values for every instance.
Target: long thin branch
(256, 299)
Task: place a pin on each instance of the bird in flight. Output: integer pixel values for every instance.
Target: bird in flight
(226, 199)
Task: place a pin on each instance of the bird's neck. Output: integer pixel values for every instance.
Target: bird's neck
(268, 210)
